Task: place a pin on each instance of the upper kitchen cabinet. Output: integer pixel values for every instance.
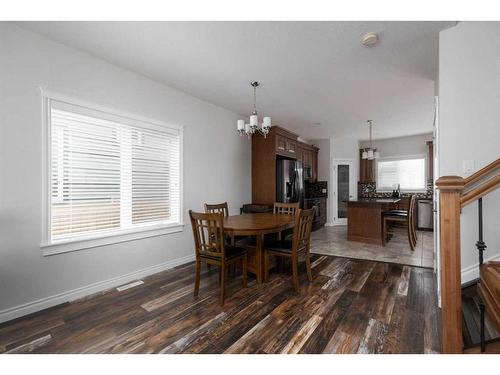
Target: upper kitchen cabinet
(430, 161)
(286, 142)
(279, 143)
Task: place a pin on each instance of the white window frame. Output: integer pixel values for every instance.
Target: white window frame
(91, 241)
(402, 157)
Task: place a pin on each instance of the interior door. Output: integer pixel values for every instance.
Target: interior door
(343, 189)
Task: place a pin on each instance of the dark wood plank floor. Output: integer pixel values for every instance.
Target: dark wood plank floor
(352, 306)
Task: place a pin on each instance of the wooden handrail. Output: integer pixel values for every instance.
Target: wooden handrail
(482, 172)
(454, 193)
(480, 191)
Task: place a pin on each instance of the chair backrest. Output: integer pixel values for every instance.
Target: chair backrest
(302, 229)
(250, 208)
(285, 208)
(411, 211)
(221, 208)
(208, 232)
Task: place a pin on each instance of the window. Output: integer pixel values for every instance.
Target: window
(109, 174)
(408, 172)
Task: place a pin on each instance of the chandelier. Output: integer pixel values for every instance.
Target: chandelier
(253, 126)
(370, 153)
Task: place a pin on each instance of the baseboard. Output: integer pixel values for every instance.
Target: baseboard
(329, 224)
(71, 295)
(472, 272)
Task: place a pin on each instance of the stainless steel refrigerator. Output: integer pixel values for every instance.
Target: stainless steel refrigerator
(289, 181)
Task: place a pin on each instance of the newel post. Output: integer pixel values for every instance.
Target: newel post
(450, 188)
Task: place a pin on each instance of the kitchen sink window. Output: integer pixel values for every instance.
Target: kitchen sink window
(408, 172)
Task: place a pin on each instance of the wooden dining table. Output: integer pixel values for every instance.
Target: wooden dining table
(257, 224)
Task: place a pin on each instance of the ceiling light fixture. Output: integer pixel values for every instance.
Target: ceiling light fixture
(369, 39)
(370, 153)
(253, 126)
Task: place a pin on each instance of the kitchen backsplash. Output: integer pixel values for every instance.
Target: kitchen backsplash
(369, 190)
(317, 189)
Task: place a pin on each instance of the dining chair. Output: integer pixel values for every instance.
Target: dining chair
(210, 247)
(291, 249)
(220, 208)
(406, 217)
(287, 209)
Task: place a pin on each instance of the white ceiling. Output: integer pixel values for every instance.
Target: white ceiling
(310, 71)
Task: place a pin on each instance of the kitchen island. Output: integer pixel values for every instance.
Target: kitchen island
(364, 219)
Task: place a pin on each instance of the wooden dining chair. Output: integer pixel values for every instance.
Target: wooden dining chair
(210, 247)
(220, 208)
(406, 217)
(291, 249)
(287, 209)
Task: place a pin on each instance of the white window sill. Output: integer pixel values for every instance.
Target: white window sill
(110, 239)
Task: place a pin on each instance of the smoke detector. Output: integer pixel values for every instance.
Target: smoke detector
(369, 39)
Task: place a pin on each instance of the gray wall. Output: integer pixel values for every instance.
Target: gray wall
(469, 122)
(30, 281)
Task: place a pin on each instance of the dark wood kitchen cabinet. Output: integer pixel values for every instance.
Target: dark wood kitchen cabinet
(279, 143)
(430, 161)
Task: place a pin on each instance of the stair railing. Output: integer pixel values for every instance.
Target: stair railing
(454, 193)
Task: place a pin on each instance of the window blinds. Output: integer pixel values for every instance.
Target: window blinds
(408, 173)
(110, 174)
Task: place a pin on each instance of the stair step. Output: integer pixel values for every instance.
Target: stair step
(471, 319)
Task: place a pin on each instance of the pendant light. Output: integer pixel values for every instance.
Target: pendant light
(370, 153)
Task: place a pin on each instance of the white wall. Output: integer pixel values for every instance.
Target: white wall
(29, 281)
(469, 122)
(401, 146)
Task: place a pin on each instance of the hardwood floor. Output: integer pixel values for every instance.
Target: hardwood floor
(352, 306)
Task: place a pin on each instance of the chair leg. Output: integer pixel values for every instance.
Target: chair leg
(295, 274)
(197, 277)
(222, 283)
(384, 231)
(308, 267)
(410, 239)
(266, 265)
(244, 270)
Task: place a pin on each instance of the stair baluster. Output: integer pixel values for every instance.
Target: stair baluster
(481, 246)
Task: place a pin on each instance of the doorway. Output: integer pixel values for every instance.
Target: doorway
(343, 189)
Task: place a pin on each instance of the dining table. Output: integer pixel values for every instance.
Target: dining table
(258, 225)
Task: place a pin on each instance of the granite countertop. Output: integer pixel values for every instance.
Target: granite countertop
(374, 200)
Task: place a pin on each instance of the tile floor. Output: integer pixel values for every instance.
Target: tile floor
(333, 241)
